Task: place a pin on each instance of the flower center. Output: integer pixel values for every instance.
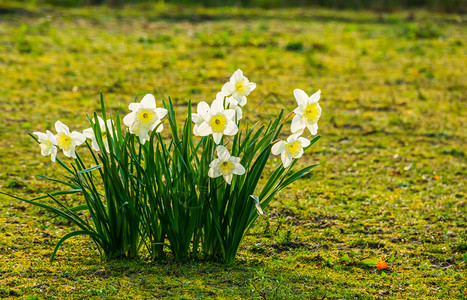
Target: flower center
(312, 112)
(293, 148)
(146, 117)
(45, 145)
(226, 167)
(218, 123)
(64, 141)
(240, 86)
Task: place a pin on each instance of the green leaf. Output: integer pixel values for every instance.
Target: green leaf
(72, 234)
(371, 262)
(89, 169)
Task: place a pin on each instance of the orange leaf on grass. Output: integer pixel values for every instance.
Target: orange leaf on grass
(381, 265)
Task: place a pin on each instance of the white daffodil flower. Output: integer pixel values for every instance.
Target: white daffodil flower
(89, 133)
(47, 143)
(307, 113)
(231, 103)
(216, 121)
(239, 87)
(144, 117)
(68, 141)
(225, 165)
(290, 149)
(203, 110)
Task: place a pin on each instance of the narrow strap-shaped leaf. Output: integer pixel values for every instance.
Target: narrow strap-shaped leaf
(90, 169)
(96, 237)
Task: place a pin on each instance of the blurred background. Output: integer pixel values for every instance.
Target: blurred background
(391, 72)
(439, 5)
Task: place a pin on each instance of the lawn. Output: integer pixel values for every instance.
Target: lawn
(391, 180)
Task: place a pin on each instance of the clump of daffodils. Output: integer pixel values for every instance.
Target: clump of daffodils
(198, 190)
(220, 118)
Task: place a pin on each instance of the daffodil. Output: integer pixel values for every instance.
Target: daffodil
(215, 120)
(89, 133)
(47, 143)
(290, 149)
(144, 117)
(231, 103)
(239, 87)
(203, 110)
(225, 165)
(307, 113)
(68, 141)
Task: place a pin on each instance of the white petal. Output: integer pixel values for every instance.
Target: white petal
(53, 153)
(291, 138)
(196, 130)
(143, 135)
(239, 170)
(213, 173)
(286, 159)
(220, 97)
(110, 124)
(77, 137)
(252, 86)
(129, 119)
(69, 153)
(204, 129)
(238, 113)
(214, 163)
(300, 153)
(60, 127)
(237, 76)
(295, 135)
(299, 110)
(235, 160)
(313, 128)
(228, 89)
(88, 133)
(203, 110)
(42, 137)
(305, 142)
(134, 106)
(101, 122)
(45, 150)
(300, 96)
(51, 137)
(242, 101)
(148, 101)
(315, 97)
(196, 118)
(217, 136)
(278, 148)
(216, 107)
(297, 124)
(95, 145)
(229, 114)
(230, 128)
(161, 112)
(223, 153)
(160, 128)
(228, 178)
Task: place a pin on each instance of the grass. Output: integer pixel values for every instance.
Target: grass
(391, 180)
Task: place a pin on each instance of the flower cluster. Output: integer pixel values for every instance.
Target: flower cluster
(307, 115)
(157, 194)
(64, 139)
(218, 119)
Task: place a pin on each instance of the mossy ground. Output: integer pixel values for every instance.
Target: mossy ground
(391, 184)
